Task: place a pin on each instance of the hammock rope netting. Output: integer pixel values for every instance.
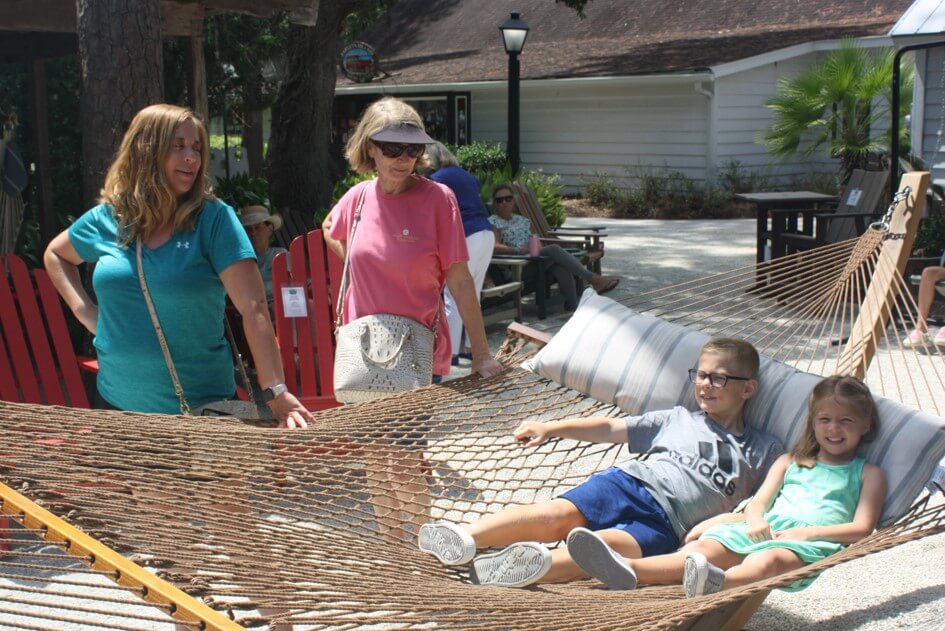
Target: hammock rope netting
(318, 528)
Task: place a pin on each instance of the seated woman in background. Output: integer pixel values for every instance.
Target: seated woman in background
(512, 234)
(260, 225)
(480, 239)
(919, 336)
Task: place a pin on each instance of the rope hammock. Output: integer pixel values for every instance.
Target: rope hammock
(318, 528)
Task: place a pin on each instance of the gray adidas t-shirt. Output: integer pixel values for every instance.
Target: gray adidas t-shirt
(694, 467)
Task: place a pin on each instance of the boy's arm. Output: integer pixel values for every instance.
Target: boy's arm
(864, 521)
(592, 430)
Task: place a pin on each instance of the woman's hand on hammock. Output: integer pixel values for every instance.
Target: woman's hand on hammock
(291, 413)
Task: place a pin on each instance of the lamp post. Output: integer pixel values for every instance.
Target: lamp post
(514, 31)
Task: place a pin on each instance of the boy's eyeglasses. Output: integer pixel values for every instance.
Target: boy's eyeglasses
(503, 199)
(395, 150)
(715, 379)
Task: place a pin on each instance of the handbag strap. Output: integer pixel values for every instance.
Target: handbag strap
(178, 389)
(165, 349)
(339, 311)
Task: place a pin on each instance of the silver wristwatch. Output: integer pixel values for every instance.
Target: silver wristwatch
(270, 393)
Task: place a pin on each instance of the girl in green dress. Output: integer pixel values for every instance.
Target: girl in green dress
(813, 501)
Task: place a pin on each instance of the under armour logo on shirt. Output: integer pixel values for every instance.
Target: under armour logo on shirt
(183, 244)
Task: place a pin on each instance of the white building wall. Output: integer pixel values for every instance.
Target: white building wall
(578, 129)
(930, 90)
(743, 119)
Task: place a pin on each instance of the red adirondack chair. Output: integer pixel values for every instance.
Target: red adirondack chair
(37, 360)
(307, 344)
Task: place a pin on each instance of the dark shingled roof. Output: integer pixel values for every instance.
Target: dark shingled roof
(438, 41)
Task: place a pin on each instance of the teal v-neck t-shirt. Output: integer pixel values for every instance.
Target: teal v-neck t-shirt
(183, 277)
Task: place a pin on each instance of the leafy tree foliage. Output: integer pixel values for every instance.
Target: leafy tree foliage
(835, 106)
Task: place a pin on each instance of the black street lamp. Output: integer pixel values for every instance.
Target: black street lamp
(514, 31)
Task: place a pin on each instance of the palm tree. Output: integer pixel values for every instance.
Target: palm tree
(834, 106)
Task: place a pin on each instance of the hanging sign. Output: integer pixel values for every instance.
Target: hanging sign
(358, 62)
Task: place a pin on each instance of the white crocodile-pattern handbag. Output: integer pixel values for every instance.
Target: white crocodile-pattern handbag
(380, 354)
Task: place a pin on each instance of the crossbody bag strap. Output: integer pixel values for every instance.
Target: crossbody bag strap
(339, 312)
(178, 389)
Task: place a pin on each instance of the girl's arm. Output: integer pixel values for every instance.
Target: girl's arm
(757, 528)
(864, 521)
(62, 264)
(463, 290)
(592, 430)
(245, 288)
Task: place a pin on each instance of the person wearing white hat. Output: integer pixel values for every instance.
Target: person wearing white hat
(261, 225)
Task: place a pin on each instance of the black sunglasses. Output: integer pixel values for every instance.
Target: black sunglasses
(503, 198)
(395, 150)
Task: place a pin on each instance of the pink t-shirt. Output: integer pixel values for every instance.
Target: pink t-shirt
(403, 246)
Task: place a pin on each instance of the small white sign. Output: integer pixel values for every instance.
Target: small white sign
(854, 197)
(294, 304)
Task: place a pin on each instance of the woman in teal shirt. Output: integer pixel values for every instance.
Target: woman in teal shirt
(194, 253)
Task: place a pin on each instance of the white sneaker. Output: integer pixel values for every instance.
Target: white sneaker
(598, 559)
(449, 543)
(518, 565)
(701, 577)
(916, 339)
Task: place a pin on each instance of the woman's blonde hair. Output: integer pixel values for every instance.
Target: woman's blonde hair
(847, 391)
(380, 114)
(135, 185)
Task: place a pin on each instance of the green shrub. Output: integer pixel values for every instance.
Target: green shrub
(490, 179)
(733, 179)
(930, 239)
(662, 194)
(548, 192)
(480, 157)
(243, 190)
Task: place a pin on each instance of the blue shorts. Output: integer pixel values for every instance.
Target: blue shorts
(615, 499)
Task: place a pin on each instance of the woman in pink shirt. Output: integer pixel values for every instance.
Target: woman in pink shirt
(409, 242)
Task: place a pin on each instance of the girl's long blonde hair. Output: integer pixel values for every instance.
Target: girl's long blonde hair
(845, 390)
(135, 185)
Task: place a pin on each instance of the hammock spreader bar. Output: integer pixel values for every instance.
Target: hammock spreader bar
(100, 557)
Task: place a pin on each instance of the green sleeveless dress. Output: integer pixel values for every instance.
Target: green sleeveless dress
(822, 495)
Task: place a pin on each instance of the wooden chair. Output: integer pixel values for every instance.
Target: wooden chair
(37, 361)
(799, 230)
(293, 225)
(590, 239)
(307, 344)
(503, 292)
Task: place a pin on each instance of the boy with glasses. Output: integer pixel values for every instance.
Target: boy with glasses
(698, 464)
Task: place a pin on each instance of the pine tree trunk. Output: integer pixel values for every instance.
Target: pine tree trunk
(253, 129)
(120, 56)
(299, 158)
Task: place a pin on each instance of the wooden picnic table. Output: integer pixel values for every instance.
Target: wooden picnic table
(772, 200)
